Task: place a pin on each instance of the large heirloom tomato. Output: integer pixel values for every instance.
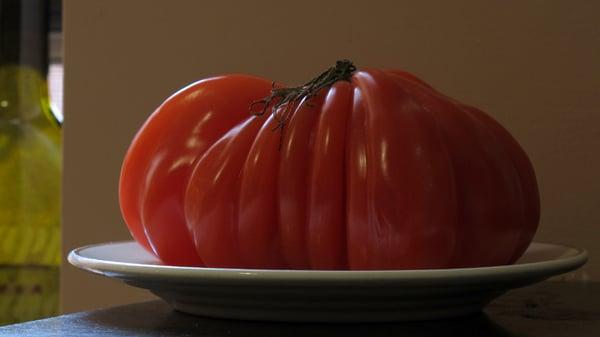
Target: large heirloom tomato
(357, 169)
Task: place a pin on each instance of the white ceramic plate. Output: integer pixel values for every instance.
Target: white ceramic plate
(304, 295)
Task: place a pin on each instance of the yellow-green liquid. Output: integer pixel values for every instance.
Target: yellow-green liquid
(30, 176)
(28, 293)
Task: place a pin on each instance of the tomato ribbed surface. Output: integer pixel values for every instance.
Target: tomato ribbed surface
(378, 172)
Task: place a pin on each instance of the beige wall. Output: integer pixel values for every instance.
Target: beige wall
(533, 65)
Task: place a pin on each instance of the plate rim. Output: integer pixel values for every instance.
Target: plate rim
(128, 270)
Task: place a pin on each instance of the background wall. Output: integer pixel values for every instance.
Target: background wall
(533, 65)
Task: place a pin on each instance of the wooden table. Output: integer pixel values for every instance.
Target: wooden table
(549, 309)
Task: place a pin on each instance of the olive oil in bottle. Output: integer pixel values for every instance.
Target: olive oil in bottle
(30, 166)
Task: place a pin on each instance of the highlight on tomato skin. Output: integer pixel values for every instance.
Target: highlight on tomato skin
(357, 169)
(160, 159)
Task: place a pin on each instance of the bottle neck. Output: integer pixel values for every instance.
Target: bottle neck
(24, 28)
(23, 59)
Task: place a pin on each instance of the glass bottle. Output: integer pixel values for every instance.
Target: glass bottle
(30, 166)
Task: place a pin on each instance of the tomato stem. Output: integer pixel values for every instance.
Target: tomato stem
(287, 97)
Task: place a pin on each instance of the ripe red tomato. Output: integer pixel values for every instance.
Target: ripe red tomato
(159, 161)
(372, 169)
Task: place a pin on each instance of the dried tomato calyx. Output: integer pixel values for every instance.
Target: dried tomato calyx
(286, 97)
